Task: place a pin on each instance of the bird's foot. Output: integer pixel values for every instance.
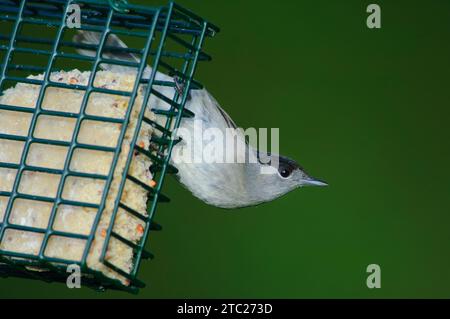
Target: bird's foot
(180, 87)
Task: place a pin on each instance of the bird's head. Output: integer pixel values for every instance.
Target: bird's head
(289, 171)
(278, 175)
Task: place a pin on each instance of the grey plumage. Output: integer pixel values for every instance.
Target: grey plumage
(226, 185)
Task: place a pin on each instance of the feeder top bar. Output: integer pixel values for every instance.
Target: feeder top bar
(119, 5)
(124, 7)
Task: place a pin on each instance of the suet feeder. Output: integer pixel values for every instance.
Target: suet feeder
(36, 38)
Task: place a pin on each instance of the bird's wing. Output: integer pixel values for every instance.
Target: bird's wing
(93, 38)
(228, 120)
(226, 117)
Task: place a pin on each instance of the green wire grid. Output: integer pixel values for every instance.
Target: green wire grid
(161, 29)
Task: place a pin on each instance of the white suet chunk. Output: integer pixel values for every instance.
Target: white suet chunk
(72, 219)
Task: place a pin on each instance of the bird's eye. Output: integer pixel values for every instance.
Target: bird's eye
(285, 173)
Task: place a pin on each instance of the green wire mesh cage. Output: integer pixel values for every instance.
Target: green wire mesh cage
(36, 39)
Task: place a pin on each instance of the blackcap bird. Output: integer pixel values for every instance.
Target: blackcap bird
(244, 181)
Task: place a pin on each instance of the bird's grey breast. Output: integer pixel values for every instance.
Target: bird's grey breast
(217, 183)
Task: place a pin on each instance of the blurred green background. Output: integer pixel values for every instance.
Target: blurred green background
(366, 110)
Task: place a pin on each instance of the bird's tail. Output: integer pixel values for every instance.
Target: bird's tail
(93, 38)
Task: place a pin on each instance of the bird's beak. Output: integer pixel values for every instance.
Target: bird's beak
(310, 181)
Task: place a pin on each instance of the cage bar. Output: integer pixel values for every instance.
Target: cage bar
(172, 42)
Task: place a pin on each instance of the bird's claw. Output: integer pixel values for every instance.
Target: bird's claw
(180, 87)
